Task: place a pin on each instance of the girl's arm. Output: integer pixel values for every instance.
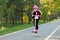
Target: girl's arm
(40, 13)
(32, 14)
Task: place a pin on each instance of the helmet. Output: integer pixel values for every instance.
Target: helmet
(35, 7)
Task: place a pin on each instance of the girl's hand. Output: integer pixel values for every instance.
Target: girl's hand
(33, 15)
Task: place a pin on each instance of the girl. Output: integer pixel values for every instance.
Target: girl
(36, 14)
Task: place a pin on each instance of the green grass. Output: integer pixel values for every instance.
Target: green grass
(13, 28)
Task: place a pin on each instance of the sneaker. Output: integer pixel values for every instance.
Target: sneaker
(35, 31)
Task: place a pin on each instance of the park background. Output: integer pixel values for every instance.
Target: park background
(16, 14)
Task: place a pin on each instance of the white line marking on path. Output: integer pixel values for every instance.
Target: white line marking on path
(52, 33)
(16, 32)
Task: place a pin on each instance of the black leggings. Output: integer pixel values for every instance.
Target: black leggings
(36, 23)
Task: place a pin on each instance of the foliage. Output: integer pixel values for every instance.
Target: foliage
(15, 9)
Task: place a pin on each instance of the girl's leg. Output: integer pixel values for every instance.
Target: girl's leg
(36, 24)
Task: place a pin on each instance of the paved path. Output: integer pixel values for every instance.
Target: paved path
(47, 31)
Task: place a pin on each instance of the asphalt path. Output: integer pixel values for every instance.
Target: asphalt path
(47, 31)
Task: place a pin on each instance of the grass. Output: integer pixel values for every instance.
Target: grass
(13, 28)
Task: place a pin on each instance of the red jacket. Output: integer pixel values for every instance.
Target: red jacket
(38, 13)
